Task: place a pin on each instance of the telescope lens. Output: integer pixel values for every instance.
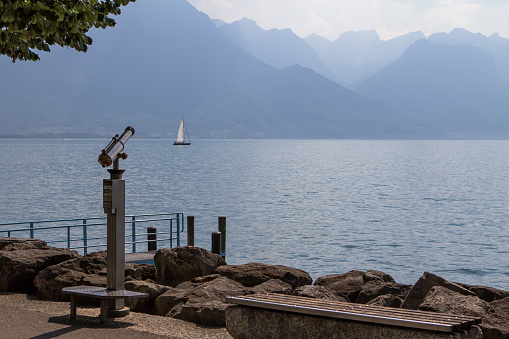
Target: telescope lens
(104, 160)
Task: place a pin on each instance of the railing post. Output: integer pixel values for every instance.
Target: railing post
(133, 233)
(178, 230)
(152, 238)
(85, 241)
(190, 230)
(31, 230)
(171, 233)
(69, 237)
(221, 221)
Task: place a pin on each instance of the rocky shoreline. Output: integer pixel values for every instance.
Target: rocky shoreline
(190, 283)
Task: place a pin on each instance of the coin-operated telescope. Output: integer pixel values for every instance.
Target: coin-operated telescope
(113, 150)
(114, 207)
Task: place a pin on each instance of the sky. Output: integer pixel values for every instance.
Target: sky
(390, 18)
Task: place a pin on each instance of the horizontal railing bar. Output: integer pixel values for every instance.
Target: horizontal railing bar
(52, 227)
(81, 219)
(88, 246)
(146, 241)
(149, 220)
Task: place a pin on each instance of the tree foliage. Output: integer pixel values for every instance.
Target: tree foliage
(28, 25)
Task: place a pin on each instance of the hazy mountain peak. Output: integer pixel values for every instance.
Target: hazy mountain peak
(247, 21)
(458, 36)
(497, 38)
(219, 22)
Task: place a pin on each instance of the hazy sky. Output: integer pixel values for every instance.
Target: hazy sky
(390, 18)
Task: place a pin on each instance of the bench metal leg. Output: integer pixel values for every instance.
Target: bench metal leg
(104, 311)
(73, 307)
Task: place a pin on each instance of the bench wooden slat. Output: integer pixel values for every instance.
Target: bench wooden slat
(358, 312)
(361, 308)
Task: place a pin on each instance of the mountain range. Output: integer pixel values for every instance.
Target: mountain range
(165, 60)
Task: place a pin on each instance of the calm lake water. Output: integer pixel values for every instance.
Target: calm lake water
(324, 206)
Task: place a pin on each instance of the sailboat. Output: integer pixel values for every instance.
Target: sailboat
(181, 140)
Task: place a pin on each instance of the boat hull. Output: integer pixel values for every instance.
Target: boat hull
(181, 143)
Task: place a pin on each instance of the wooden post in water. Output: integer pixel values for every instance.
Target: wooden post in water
(222, 228)
(190, 230)
(152, 238)
(216, 243)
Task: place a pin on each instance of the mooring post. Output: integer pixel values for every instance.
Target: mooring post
(190, 230)
(152, 238)
(221, 221)
(216, 242)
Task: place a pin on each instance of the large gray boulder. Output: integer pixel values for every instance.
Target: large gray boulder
(180, 264)
(495, 319)
(488, 294)
(14, 244)
(376, 288)
(348, 284)
(144, 305)
(319, 292)
(253, 274)
(201, 300)
(378, 283)
(22, 259)
(420, 290)
(90, 270)
(272, 286)
(386, 300)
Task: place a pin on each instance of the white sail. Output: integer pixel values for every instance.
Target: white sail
(180, 135)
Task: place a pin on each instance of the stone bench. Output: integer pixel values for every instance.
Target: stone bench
(286, 316)
(101, 293)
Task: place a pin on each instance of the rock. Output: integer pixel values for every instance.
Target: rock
(373, 275)
(200, 301)
(376, 288)
(272, 286)
(495, 320)
(144, 305)
(13, 244)
(140, 272)
(500, 323)
(180, 264)
(253, 274)
(319, 292)
(22, 259)
(386, 300)
(421, 288)
(488, 294)
(90, 270)
(348, 284)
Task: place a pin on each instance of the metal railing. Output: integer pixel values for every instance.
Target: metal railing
(90, 233)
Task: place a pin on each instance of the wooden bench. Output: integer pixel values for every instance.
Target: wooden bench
(387, 316)
(101, 293)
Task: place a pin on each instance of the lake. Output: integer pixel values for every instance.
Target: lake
(324, 206)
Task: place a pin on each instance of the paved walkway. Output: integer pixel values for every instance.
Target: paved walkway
(22, 316)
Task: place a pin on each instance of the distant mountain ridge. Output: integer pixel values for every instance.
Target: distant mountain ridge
(449, 85)
(165, 60)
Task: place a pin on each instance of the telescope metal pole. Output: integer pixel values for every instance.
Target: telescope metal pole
(116, 238)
